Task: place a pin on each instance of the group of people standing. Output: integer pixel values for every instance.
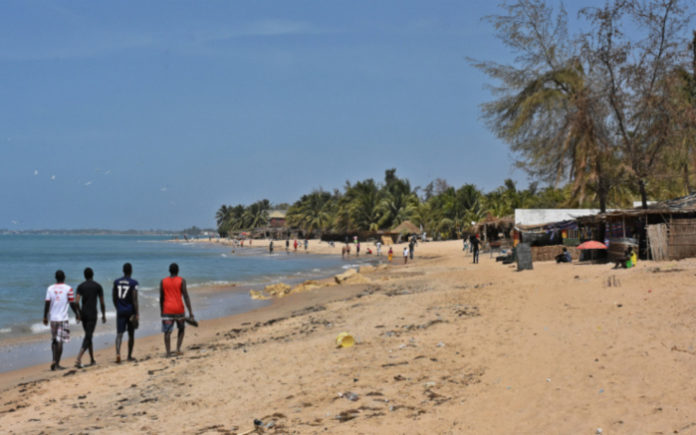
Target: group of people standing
(407, 251)
(59, 296)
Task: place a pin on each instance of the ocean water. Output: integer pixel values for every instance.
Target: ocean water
(28, 264)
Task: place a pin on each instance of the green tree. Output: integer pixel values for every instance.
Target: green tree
(634, 71)
(313, 212)
(358, 207)
(256, 215)
(397, 200)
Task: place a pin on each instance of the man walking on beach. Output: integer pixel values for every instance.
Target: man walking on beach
(58, 297)
(411, 245)
(125, 297)
(88, 292)
(172, 289)
(405, 254)
(475, 243)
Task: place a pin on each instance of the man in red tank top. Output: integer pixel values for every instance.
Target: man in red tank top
(172, 290)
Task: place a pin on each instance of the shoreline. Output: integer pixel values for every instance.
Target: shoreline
(442, 346)
(28, 344)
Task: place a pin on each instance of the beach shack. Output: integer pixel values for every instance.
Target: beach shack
(497, 232)
(547, 231)
(666, 230)
(276, 218)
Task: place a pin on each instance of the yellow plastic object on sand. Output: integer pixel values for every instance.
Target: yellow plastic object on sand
(344, 339)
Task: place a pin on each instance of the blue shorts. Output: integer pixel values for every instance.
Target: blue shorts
(123, 322)
(168, 324)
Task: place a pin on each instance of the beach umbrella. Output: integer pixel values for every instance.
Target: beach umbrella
(592, 244)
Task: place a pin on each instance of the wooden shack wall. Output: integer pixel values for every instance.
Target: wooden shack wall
(681, 239)
(548, 253)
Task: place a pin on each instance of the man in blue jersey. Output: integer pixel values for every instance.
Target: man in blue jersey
(125, 297)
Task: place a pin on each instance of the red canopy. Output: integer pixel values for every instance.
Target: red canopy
(592, 244)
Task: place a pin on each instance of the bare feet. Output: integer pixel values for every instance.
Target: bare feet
(118, 359)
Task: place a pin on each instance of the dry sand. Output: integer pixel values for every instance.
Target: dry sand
(443, 346)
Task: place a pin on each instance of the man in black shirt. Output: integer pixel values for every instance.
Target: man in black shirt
(475, 243)
(88, 292)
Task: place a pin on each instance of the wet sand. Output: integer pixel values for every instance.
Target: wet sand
(443, 346)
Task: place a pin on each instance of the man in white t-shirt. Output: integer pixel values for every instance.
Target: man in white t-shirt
(58, 297)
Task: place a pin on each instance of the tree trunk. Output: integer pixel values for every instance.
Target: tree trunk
(687, 186)
(643, 193)
(602, 187)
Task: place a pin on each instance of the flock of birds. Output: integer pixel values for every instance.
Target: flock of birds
(86, 184)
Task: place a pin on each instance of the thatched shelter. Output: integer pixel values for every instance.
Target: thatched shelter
(495, 230)
(407, 227)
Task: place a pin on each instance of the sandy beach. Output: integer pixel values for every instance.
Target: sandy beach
(442, 346)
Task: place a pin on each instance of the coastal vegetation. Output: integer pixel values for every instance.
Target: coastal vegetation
(609, 110)
(367, 205)
(600, 118)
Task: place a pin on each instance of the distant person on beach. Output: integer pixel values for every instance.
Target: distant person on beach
(379, 248)
(58, 297)
(475, 244)
(343, 251)
(287, 245)
(270, 247)
(405, 254)
(357, 249)
(628, 260)
(564, 257)
(88, 292)
(306, 244)
(294, 244)
(125, 297)
(390, 254)
(411, 245)
(172, 290)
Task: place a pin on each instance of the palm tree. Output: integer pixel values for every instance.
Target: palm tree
(313, 212)
(222, 215)
(256, 215)
(397, 199)
(358, 208)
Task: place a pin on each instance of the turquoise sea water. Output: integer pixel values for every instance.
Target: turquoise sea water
(28, 264)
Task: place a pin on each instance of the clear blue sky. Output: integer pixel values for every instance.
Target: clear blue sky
(151, 114)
